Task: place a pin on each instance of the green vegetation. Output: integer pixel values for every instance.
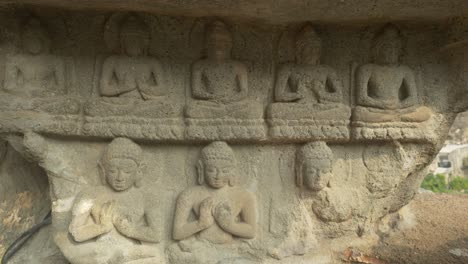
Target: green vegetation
(436, 183)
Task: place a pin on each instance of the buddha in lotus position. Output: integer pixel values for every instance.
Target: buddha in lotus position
(308, 89)
(116, 216)
(219, 84)
(386, 90)
(133, 83)
(222, 210)
(36, 74)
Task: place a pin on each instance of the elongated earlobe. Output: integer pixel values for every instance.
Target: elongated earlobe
(200, 174)
(139, 174)
(102, 172)
(299, 180)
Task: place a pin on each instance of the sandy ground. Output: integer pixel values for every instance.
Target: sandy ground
(433, 230)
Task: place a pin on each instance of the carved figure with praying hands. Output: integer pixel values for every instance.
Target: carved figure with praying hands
(132, 82)
(117, 216)
(386, 90)
(222, 209)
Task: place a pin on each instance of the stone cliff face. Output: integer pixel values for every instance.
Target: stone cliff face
(174, 138)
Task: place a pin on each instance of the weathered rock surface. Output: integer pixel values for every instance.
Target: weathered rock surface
(173, 138)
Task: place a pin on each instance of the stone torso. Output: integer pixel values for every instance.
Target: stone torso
(233, 197)
(133, 72)
(385, 83)
(36, 75)
(308, 80)
(220, 78)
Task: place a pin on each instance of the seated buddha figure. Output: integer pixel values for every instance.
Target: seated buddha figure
(132, 83)
(386, 90)
(308, 89)
(114, 223)
(35, 75)
(219, 84)
(215, 212)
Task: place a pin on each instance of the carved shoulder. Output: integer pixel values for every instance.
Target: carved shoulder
(240, 66)
(406, 69)
(189, 195)
(366, 69)
(198, 65)
(286, 68)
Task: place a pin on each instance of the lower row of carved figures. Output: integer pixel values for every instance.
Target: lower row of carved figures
(217, 211)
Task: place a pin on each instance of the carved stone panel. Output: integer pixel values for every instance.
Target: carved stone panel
(173, 139)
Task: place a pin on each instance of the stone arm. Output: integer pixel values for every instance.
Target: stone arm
(13, 79)
(147, 233)
(281, 87)
(334, 93)
(246, 228)
(241, 83)
(362, 82)
(410, 83)
(154, 87)
(108, 86)
(183, 228)
(84, 226)
(199, 84)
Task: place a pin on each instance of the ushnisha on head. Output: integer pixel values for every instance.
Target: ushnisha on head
(314, 163)
(217, 165)
(387, 45)
(121, 164)
(134, 36)
(218, 40)
(34, 38)
(308, 46)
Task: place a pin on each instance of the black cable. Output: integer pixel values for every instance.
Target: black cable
(20, 241)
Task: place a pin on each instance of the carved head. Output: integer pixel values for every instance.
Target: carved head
(34, 38)
(218, 40)
(314, 166)
(387, 46)
(217, 165)
(121, 164)
(134, 36)
(308, 46)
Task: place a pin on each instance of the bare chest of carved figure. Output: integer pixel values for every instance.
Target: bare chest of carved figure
(385, 83)
(221, 78)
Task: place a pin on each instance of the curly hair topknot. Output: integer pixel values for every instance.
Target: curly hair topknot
(218, 150)
(123, 148)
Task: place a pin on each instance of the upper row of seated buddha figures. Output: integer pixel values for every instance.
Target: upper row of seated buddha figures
(132, 83)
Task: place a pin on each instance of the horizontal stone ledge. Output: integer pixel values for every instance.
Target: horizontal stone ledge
(277, 11)
(180, 130)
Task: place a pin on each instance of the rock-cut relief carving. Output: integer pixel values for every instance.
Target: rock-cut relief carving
(386, 91)
(35, 78)
(221, 108)
(216, 213)
(385, 168)
(133, 85)
(309, 95)
(114, 223)
(314, 165)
